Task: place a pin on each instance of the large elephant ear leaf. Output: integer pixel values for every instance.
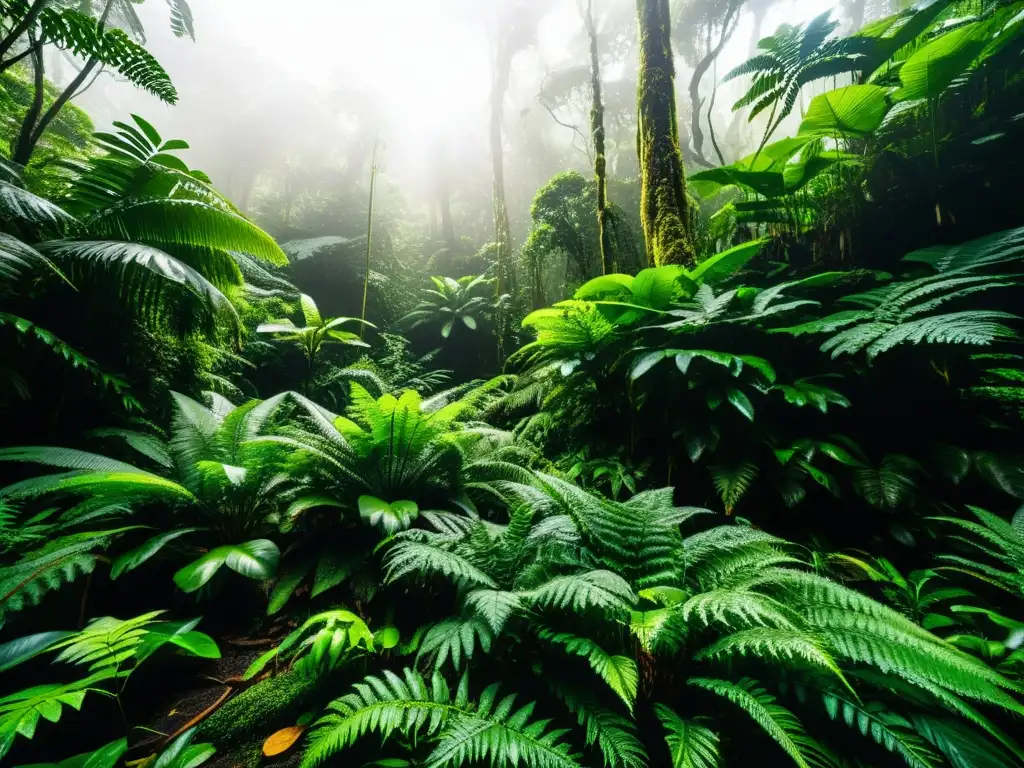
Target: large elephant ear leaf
(255, 559)
(856, 110)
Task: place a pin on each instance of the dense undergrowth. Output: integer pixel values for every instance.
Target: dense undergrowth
(757, 509)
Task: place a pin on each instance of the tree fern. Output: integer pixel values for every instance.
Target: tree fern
(135, 264)
(777, 721)
(639, 538)
(904, 312)
(691, 745)
(73, 356)
(961, 746)
(460, 730)
(181, 19)
(20, 712)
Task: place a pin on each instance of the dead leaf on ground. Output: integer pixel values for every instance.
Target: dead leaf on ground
(283, 740)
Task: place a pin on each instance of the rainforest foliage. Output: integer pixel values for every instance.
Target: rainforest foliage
(722, 470)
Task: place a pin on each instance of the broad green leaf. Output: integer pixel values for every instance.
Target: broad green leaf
(255, 559)
(22, 649)
(711, 182)
(927, 73)
(286, 585)
(386, 638)
(391, 518)
(741, 403)
(133, 558)
(659, 287)
(605, 286)
(722, 266)
(856, 110)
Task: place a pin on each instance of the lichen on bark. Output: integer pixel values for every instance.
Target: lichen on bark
(663, 203)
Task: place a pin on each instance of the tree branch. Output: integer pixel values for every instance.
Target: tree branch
(21, 28)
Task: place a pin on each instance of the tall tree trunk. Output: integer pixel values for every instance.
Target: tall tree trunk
(502, 76)
(663, 205)
(597, 130)
(502, 236)
(447, 225)
(443, 226)
(369, 235)
(696, 103)
(35, 108)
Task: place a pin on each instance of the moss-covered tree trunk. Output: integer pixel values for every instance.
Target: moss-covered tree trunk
(663, 206)
(597, 132)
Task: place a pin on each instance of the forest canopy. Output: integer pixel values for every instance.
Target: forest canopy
(555, 383)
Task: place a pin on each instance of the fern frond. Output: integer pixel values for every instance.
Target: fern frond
(494, 606)
(603, 590)
(456, 639)
(413, 557)
(777, 721)
(732, 607)
(780, 645)
(619, 672)
(492, 729)
(691, 745)
(59, 563)
(614, 735)
(886, 728)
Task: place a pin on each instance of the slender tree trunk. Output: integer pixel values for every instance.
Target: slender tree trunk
(502, 76)
(502, 235)
(24, 150)
(369, 235)
(20, 29)
(447, 225)
(663, 205)
(597, 130)
(32, 114)
(711, 122)
(696, 134)
(27, 142)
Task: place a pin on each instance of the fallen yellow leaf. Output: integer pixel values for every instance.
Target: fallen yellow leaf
(283, 740)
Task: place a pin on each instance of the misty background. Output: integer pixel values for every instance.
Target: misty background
(282, 107)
